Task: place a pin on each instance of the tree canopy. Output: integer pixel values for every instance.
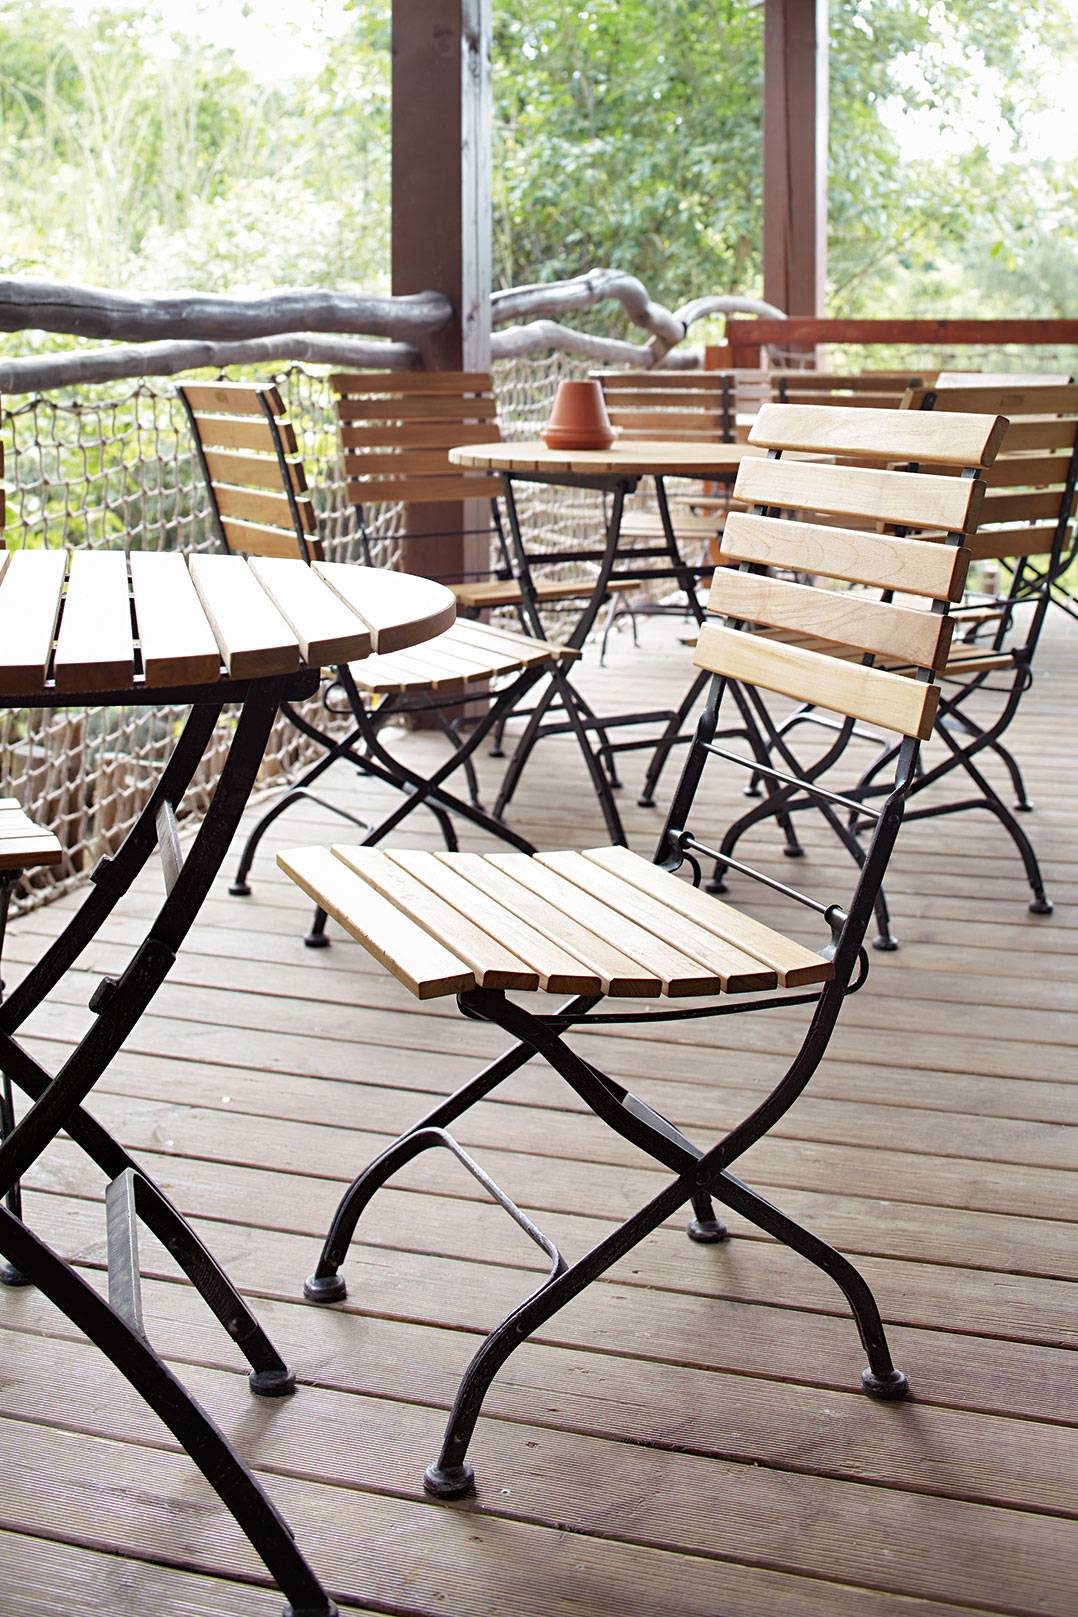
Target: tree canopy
(627, 132)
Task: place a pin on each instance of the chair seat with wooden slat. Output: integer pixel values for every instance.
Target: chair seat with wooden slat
(487, 594)
(24, 843)
(468, 653)
(604, 921)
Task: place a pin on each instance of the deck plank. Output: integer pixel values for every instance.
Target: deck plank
(687, 1438)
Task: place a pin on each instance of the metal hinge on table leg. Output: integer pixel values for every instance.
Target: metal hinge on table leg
(121, 1228)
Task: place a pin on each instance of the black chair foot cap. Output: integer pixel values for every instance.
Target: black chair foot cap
(706, 1231)
(325, 1288)
(496, 752)
(716, 885)
(330, 1609)
(796, 852)
(752, 791)
(1041, 906)
(889, 1388)
(316, 940)
(240, 889)
(272, 1383)
(10, 1276)
(1024, 806)
(645, 801)
(449, 1482)
(886, 945)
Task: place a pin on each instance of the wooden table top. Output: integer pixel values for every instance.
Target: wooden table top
(103, 620)
(632, 457)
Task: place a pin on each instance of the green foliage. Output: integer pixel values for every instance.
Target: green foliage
(627, 132)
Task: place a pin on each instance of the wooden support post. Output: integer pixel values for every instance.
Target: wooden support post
(441, 222)
(795, 155)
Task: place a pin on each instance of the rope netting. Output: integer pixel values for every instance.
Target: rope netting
(114, 466)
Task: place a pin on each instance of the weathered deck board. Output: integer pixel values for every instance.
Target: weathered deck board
(685, 1439)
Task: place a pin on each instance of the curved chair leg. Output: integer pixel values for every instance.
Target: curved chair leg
(880, 1378)
(200, 1438)
(1040, 904)
(449, 730)
(668, 740)
(240, 887)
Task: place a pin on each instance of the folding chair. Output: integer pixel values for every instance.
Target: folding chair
(261, 505)
(606, 922)
(1025, 522)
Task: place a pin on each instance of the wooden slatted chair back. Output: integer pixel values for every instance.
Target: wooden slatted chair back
(250, 459)
(829, 548)
(663, 406)
(866, 390)
(397, 428)
(1030, 497)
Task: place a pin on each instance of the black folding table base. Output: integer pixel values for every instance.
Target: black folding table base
(132, 1198)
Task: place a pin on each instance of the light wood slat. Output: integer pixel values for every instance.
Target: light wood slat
(669, 421)
(253, 471)
(560, 972)
(904, 705)
(94, 647)
(561, 906)
(889, 382)
(663, 457)
(845, 616)
(232, 398)
(453, 486)
(993, 545)
(912, 500)
(421, 409)
(506, 592)
(398, 609)
(524, 646)
(1020, 507)
(521, 886)
(1027, 471)
(938, 571)
(793, 964)
(1043, 433)
(977, 659)
(22, 841)
(401, 462)
(269, 510)
(253, 637)
(848, 401)
(29, 605)
(249, 433)
(438, 663)
(494, 965)
(410, 383)
(420, 435)
(1023, 399)
(328, 631)
(953, 440)
(731, 970)
(425, 966)
(252, 539)
(178, 645)
(695, 399)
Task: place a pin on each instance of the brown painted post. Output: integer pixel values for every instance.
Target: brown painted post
(441, 220)
(795, 155)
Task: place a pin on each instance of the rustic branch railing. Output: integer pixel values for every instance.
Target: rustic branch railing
(321, 327)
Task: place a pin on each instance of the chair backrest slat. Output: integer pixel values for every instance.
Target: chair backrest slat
(250, 457)
(820, 617)
(397, 427)
(653, 406)
(850, 554)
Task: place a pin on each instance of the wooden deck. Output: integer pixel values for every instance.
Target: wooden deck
(686, 1440)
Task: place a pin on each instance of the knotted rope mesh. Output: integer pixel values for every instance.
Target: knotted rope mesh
(115, 466)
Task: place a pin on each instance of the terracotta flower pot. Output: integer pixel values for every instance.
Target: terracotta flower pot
(578, 419)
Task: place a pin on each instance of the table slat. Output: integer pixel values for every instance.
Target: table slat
(399, 610)
(29, 605)
(95, 648)
(327, 628)
(253, 637)
(178, 644)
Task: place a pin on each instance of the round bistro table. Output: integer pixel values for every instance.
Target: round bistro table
(107, 629)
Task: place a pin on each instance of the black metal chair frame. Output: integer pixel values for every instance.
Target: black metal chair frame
(976, 737)
(702, 1175)
(57, 1101)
